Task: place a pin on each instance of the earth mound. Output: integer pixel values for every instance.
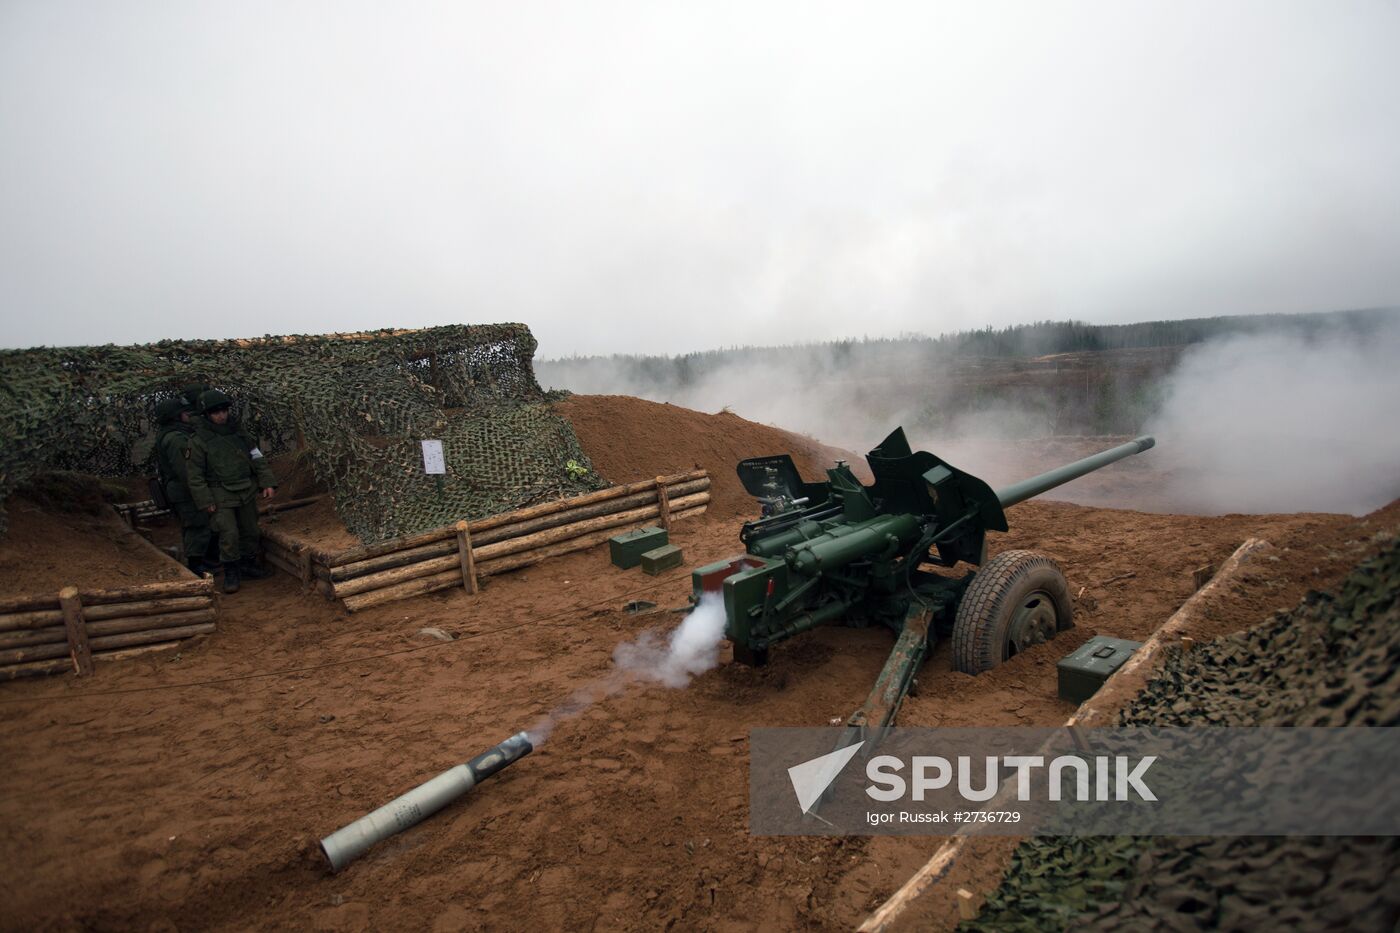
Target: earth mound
(630, 439)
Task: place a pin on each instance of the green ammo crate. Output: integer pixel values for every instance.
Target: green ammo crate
(1084, 671)
(627, 549)
(663, 558)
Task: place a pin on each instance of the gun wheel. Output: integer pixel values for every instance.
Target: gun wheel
(1018, 599)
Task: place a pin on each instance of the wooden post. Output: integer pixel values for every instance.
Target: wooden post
(968, 905)
(78, 648)
(663, 502)
(304, 565)
(464, 554)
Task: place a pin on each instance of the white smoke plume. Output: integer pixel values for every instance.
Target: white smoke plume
(1267, 422)
(671, 660)
(691, 649)
(1282, 424)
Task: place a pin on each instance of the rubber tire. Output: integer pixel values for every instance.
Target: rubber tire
(984, 615)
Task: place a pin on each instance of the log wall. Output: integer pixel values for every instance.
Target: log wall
(462, 553)
(70, 629)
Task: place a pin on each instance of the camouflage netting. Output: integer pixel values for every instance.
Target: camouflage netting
(1334, 661)
(357, 404)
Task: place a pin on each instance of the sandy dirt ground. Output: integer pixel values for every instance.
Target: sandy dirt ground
(187, 791)
(44, 551)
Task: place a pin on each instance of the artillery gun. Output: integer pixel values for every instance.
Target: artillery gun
(844, 552)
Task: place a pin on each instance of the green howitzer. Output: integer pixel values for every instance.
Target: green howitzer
(840, 551)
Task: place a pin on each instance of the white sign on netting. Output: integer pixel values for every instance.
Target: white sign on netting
(434, 464)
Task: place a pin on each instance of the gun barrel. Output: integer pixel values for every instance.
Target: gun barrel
(1030, 488)
(348, 842)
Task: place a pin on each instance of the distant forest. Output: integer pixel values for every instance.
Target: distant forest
(1010, 377)
(1021, 340)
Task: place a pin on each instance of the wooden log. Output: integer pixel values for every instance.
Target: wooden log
(126, 594)
(304, 565)
(439, 581)
(26, 638)
(389, 561)
(35, 668)
(376, 581)
(202, 610)
(37, 602)
(565, 532)
(35, 618)
(560, 505)
(165, 626)
(452, 576)
(527, 558)
(39, 653)
(1128, 681)
(151, 623)
(663, 505)
(464, 556)
(505, 518)
(482, 555)
(148, 636)
(147, 607)
(126, 653)
(78, 648)
(517, 529)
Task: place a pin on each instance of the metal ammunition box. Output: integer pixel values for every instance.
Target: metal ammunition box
(627, 549)
(1084, 671)
(662, 558)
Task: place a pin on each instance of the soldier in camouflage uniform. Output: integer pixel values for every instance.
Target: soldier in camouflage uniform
(176, 431)
(226, 473)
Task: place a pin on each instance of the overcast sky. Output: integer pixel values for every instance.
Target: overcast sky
(667, 177)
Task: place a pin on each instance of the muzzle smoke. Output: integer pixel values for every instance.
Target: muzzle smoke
(671, 660)
(1282, 424)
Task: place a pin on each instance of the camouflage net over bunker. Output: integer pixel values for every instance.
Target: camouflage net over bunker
(357, 405)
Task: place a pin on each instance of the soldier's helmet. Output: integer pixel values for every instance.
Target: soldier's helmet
(192, 392)
(213, 400)
(169, 410)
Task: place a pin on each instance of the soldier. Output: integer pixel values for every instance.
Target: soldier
(176, 431)
(191, 394)
(226, 473)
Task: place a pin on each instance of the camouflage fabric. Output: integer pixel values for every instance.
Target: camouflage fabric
(1329, 662)
(359, 404)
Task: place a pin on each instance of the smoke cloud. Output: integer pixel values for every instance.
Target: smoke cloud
(1268, 422)
(691, 649)
(1281, 424)
(671, 660)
